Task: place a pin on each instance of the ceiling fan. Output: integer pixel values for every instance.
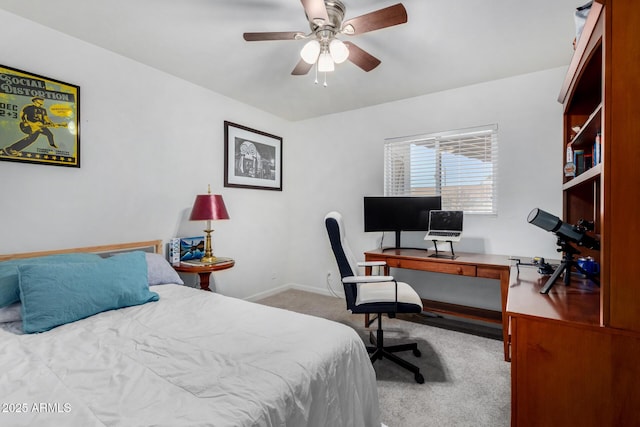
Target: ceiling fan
(326, 21)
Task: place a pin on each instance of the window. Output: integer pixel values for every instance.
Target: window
(460, 165)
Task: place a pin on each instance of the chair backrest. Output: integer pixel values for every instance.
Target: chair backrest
(347, 264)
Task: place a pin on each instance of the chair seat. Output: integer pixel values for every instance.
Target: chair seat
(385, 292)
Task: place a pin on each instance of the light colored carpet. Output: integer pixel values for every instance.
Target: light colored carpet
(467, 381)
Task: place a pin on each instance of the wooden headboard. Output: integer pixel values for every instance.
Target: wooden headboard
(154, 246)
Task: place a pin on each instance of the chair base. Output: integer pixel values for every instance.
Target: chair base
(379, 351)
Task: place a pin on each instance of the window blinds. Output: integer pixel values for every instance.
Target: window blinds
(461, 166)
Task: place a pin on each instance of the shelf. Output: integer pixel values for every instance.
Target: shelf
(586, 135)
(590, 38)
(587, 176)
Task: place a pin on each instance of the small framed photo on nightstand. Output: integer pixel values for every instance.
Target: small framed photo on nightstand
(191, 248)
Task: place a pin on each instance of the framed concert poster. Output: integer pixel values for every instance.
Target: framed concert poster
(253, 159)
(39, 119)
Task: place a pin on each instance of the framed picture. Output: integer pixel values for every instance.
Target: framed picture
(39, 119)
(191, 248)
(253, 159)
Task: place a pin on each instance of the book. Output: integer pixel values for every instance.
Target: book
(174, 251)
(596, 150)
(578, 160)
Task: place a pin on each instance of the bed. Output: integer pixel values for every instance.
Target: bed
(176, 356)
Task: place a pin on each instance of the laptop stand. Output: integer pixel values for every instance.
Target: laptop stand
(441, 255)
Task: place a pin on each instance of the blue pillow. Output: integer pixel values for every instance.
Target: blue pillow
(53, 295)
(9, 290)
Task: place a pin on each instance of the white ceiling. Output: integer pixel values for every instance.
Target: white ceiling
(445, 44)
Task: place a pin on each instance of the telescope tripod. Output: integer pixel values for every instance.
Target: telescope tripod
(565, 267)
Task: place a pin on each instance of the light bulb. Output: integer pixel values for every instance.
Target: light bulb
(310, 51)
(339, 51)
(325, 63)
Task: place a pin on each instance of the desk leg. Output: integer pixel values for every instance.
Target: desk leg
(504, 290)
(204, 280)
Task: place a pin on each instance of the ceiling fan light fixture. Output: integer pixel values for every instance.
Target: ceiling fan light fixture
(349, 30)
(339, 51)
(326, 21)
(325, 63)
(310, 52)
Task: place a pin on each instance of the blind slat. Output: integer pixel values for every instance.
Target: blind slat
(461, 166)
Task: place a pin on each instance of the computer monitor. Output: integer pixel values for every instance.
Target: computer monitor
(399, 213)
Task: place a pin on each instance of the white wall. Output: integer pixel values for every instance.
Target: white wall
(151, 142)
(339, 159)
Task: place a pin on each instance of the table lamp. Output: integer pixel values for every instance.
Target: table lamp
(208, 207)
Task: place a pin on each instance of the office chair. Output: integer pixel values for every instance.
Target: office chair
(373, 294)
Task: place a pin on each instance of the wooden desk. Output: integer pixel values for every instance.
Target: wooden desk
(465, 264)
(204, 270)
(567, 368)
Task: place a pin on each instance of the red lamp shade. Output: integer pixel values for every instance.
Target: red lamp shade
(208, 207)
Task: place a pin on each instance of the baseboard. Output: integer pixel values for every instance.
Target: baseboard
(467, 326)
(285, 287)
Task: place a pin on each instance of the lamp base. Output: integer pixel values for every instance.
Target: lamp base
(208, 259)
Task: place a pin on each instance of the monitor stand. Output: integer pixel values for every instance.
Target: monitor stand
(399, 246)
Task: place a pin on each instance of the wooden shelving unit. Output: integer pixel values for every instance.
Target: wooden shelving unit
(575, 351)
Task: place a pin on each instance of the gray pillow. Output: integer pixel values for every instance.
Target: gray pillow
(160, 272)
(10, 313)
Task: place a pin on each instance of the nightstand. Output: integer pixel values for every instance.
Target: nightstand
(204, 270)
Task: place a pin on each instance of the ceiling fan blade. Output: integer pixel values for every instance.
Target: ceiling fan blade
(283, 35)
(361, 58)
(316, 11)
(382, 18)
(301, 68)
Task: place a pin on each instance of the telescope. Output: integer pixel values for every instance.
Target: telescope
(566, 234)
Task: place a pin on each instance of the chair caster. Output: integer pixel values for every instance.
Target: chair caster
(419, 378)
(417, 353)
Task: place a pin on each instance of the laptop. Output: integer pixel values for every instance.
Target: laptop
(445, 226)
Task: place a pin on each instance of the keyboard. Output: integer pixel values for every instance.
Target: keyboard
(444, 233)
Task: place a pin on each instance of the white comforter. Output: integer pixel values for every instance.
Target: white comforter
(193, 358)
